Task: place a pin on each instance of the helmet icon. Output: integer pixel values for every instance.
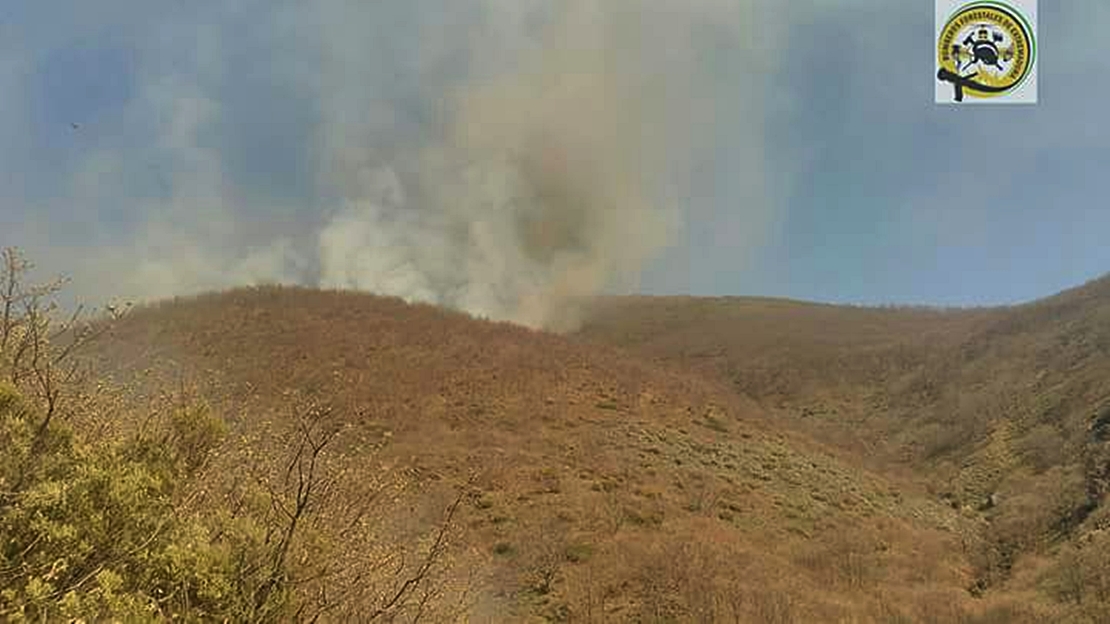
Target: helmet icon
(984, 47)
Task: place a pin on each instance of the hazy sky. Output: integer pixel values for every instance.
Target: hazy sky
(795, 145)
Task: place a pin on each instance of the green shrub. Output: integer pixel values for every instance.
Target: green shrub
(100, 532)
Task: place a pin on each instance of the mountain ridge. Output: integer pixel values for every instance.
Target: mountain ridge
(836, 448)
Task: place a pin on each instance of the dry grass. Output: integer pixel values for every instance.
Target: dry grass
(996, 411)
(602, 487)
(688, 459)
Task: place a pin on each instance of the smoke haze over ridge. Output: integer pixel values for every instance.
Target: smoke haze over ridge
(545, 169)
(764, 148)
(551, 182)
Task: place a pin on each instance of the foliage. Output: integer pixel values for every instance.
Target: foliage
(141, 524)
(104, 532)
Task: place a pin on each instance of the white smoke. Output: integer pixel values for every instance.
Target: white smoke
(549, 185)
(192, 241)
(509, 162)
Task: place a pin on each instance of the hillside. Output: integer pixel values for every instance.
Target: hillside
(1001, 412)
(602, 487)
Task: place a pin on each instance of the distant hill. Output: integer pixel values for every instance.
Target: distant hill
(1004, 413)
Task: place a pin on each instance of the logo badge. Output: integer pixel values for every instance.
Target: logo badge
(986, 52)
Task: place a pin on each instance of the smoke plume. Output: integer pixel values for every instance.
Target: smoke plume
(507, 158)
(546, 188)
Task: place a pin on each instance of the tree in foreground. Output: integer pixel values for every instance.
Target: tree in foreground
(132, 528)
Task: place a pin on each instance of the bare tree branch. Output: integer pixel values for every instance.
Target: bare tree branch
(421, 574)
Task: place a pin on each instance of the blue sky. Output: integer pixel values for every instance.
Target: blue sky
(220, 143)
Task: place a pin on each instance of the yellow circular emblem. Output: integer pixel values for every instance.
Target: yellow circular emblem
(985, 49)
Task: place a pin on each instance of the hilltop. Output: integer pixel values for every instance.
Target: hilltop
(742, 459)
(603, 486)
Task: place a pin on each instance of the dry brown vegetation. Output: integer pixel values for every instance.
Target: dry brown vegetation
(1002, 414)
(112, 510)
(678, 459)
(601, 487)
